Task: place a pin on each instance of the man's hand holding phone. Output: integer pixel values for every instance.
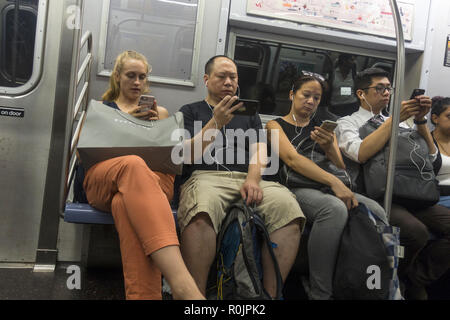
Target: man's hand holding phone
(223, 111)
(423, 104)
(417, 93)
(249, 107)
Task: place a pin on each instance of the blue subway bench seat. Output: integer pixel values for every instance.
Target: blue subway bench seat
(84, 213)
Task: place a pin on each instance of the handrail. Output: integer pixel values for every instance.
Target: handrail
(85, 70)
(87, 37)
(86, 63)
(77, 132)
(70, 176)
(80, 99)
(72, 163)
(399, 80)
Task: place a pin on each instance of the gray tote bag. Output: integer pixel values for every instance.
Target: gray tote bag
(109, 133)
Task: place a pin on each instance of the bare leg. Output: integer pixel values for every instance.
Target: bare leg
(171, 264)
(198, 246)
(287, 239)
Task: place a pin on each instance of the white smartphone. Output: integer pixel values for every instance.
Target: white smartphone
(329, 125)
(146, 102)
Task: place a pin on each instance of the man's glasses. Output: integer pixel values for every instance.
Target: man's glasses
(314, 75)
(381, 89)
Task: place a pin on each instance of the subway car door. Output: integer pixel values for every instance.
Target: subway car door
(38, 57)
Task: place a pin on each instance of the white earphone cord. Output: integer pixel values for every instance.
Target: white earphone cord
(295, 120)
(370, 106)
(301, 130)
(416, 146)
(226, 141)
(414, 150)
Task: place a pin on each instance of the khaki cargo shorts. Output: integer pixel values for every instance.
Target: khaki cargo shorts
(214, 191)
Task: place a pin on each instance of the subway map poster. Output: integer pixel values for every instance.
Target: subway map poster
(363, 16)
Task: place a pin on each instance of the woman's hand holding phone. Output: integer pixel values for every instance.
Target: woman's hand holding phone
(146, 102)
(148, 108)
(138, 113)
(324, 138)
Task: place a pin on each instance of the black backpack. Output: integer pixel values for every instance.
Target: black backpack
(238, 259)
(369, 248)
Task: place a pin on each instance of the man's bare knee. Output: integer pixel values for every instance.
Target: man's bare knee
(199, 235)
(290, 229)
(200, 221)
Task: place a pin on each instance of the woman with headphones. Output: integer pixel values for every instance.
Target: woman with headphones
(326, 211)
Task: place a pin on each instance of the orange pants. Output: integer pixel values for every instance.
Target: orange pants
(138, 199)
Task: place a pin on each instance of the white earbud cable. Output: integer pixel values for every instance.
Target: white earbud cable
(226, 141)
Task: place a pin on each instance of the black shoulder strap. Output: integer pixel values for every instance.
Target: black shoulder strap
(367, 128)
(263, 231)
(437, 164)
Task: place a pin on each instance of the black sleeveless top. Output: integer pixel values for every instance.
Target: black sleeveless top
(111, 104)
(295, 135)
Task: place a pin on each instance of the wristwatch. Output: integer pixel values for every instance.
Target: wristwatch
(425, 120)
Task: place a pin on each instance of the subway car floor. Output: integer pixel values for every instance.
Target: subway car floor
(95, 284)
(21, 283)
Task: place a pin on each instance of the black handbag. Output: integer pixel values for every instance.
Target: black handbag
(293, 179)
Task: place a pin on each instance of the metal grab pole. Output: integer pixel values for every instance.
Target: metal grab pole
(399, 80)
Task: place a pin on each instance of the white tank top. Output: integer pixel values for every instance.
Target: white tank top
(443, 175)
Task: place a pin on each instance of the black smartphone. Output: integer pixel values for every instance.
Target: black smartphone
(417, 92)
(249, 108)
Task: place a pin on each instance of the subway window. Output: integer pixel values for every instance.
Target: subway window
(164, 31)
(18, 25)
(267, 70)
